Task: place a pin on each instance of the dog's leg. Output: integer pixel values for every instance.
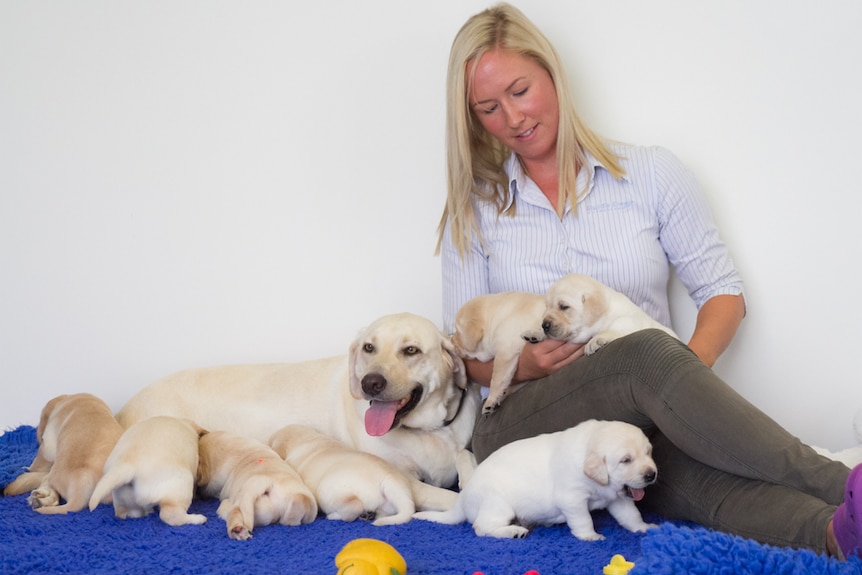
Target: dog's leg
(27, 481)
(496, 518)
(232, 516)
(628, 515)
(505, 365)
(430, 497)
(175, 512)
(465, 465)
(580, 522)
(398, 493)
(600, 340)
(77, 493)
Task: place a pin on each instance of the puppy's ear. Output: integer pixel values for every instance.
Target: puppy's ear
(596, 469)
(594, 306)
(459, 372)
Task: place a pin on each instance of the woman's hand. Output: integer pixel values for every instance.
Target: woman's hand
(537, 360)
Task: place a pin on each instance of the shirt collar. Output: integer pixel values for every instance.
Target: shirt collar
(518, 178)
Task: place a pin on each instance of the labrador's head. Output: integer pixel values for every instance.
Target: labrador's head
(409, 373)
(574, 304)
(620, 455)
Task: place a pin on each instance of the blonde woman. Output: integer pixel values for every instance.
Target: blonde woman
(534, 194)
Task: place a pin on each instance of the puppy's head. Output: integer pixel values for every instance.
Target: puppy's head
(408, 371)
(574, 304)
(620, 455)
(281, 498)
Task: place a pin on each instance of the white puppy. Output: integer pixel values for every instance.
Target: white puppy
(400, 393)
(349, 484)
(76, 434)
(490, 327)
(153, 464)
(580, 309)
(255, 485)
(558, 478)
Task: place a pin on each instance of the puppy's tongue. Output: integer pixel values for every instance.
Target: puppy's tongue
(380, 416)
(637, 494)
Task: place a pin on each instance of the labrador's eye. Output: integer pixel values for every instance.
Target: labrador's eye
(412, 350)
(563, 307)
(626, 459)
(368, 348)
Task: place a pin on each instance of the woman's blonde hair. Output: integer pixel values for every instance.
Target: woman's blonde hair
(475, 158)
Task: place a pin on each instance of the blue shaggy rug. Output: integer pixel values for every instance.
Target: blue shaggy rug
(99, 543)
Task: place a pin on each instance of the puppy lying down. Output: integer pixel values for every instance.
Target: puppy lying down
(349, 484)
(255, 485)
(558, 478)
(76, 434)
(154, 463)
(580, 309)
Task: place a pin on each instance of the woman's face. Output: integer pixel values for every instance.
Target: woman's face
(514, 98)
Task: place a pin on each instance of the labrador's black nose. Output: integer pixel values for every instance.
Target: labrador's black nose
(649, 477)
(546, 326)
(373, 384)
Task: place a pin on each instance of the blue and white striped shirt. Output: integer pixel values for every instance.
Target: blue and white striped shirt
(626, 233)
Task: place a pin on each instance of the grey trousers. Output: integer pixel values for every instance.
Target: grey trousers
(722, 462)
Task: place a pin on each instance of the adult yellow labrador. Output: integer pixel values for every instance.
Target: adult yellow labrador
(400, 393)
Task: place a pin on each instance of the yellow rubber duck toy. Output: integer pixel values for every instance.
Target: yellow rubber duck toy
(618, 566)
(370, 557)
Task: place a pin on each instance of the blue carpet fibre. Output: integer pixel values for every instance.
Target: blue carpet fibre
(98, 543)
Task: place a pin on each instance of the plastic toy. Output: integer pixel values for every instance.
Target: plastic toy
(369, 557)
(618, 566)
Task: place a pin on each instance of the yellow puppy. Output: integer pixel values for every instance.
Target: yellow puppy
(154, 463)
(349, 484)
(76, 434)
(256, 486)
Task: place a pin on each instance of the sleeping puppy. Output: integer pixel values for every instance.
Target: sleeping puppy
(255, 485)
(153, 464)
(580, 309)
(76, 434)
(491, 327)
(349, 484)
(555, 478)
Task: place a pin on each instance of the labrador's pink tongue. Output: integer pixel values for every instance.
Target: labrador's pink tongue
(637, 494)
(379, 417)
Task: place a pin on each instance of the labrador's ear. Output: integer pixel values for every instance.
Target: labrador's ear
(355, 386)
(595, 467)
(459, 372)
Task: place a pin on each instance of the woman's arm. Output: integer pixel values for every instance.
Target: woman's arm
(537, 360)
(717, 322)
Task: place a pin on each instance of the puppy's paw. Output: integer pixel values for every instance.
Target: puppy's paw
(43, 497)
(595, 345)
(490, 406)
(589, 536)
(534, 335)
(505, 532)
(239, 532)
(368, 515)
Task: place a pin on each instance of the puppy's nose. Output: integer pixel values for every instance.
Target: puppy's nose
(649, 476)
(373, 384)
(546, 326)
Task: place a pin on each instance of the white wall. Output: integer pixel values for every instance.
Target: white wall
(203, 182)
